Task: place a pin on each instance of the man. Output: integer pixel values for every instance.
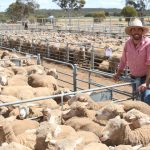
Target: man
(136, 55)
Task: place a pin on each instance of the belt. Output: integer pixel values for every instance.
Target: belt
(134, 77)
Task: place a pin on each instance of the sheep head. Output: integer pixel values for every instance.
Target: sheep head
(114, 129)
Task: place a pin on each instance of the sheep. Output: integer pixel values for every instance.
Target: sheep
(7, 72)
(41, 134)
(125, 147)
(79, 112)
(85, 134)
(27, 138)
(61, 91)
(13, 146)
(85, 124)
(36, 80)
(3, 80)
(7, 98)
(21, 92)
(19, 126)
(19, 80)
(110, 111)
(64, 144)
(137, 118)
(117, 131)
(97, 105)
(104, 66)
(139, 105)
(145, 148)
(49, 103)
(95, 146)
(19, 70)
(5, 53)
(52, 72)
(81, 98)
(78, 104)
(35, 69)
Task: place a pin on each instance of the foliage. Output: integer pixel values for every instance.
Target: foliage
(70, 4)
(128, 12)
(139, 5)
(98, 16)
(21, 9)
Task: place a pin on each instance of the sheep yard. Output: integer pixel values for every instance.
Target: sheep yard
(58, 94)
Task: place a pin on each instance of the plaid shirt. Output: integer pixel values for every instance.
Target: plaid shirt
(136, 58)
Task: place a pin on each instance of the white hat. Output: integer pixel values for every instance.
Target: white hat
(135, 23)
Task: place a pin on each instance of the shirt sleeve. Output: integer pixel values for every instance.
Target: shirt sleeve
(123, 60)
(148, 55)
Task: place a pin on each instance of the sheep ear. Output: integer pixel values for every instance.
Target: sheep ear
(48, 137)
(111, 148)
(53, 141)
(117, 117)
(79, 140)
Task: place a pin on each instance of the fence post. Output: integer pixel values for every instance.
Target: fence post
(89, 79)
(1, 41)
(20, 46)
(75, 78)
(48, 50)
(38, 59)
(67, 47)
(92, 58)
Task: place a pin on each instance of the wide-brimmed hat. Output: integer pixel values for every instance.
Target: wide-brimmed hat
(134, 23)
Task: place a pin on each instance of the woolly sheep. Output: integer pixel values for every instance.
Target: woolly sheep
(137, 118)
(96, 146)
(86, 124)
(18, 80)
(117, 131)
(36, 80)
(79, 112)
(14, 146)
(81, 98)
(125, 147)
(139, 105)
(110, 111)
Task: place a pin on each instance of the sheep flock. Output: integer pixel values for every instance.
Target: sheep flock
(75, 48)
(82, 124)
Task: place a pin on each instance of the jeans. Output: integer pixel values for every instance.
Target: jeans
(143, 96)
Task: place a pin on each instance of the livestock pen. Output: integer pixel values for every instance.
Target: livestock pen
(34, 116)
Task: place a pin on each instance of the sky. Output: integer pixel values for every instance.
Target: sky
(48, 4)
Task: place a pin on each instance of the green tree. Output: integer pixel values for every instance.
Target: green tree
(140, 6)
(70, 5)
(98, 16)
(21, 9)
(128, 12)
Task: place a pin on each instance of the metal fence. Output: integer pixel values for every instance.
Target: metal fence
(107, 26)
(84, 54)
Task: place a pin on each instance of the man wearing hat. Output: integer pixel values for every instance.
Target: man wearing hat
(136, 55)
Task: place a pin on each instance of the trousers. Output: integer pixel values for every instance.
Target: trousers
(143, 96)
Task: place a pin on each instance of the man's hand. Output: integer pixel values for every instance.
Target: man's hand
(116, 77)
(142, 87)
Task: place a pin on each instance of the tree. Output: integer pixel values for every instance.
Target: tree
(21, 9)
(139, 5)
(128, 12)
(70, 5)
(98, 16)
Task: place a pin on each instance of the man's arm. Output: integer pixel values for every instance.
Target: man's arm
(148, 76)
